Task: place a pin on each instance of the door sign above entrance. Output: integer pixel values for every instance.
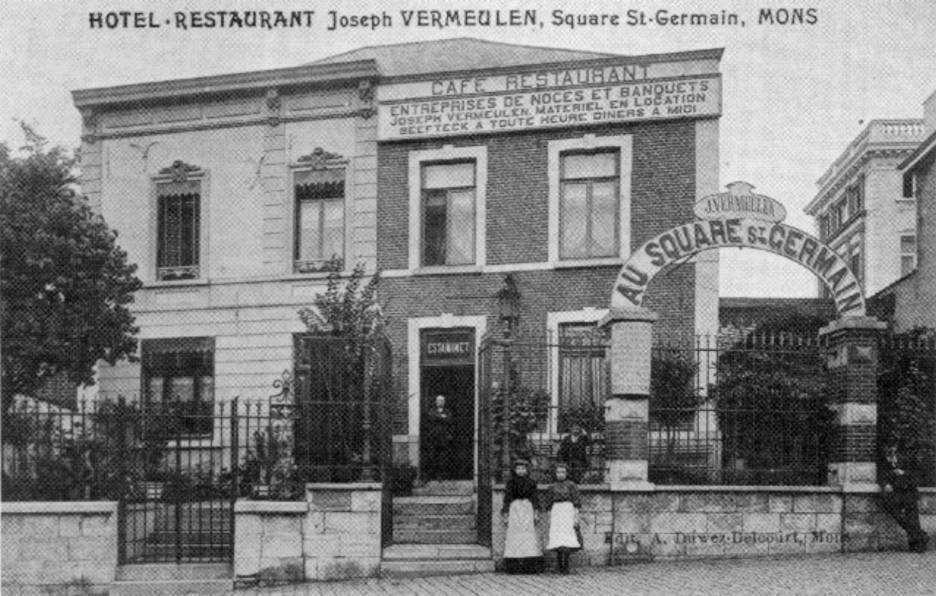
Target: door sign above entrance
(757, 230)
(740, 202)
(449, 347)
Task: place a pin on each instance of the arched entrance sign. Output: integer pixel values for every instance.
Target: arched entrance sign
(738, 219)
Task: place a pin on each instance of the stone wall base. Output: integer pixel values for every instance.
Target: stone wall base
(625, 526)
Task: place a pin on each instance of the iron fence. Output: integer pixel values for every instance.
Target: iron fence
(535, 392)
(751, 411)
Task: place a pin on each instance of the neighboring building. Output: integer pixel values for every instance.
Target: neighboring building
(860, 210)
(911, 301)
(447, 165)
(231, 193)
(750, 313)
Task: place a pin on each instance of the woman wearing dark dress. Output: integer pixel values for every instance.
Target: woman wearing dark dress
(522, 553)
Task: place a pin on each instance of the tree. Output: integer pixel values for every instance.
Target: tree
(65, 282)
(673, 399)
(906, 403)
(771, 405)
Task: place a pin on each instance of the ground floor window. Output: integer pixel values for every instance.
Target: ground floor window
(178, 385)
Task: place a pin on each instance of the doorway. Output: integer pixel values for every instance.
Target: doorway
(447, 368)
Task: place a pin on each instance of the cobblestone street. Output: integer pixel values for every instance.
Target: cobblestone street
(854, 574)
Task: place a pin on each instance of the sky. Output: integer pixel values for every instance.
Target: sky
(794, 95)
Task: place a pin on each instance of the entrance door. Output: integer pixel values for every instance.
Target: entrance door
(447, 368)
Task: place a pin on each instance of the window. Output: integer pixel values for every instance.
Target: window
(824, 227)
(583, 382)
(448, 213)
(319, 231)
(588, 205)
(178, 384)
(178, 229)
(907, 253)
(854, 195)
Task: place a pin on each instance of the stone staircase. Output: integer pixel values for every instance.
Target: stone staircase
(435, 533)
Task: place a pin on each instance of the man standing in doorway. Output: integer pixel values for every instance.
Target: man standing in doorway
(440, 435)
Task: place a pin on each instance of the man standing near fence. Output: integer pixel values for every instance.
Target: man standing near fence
(900, 498)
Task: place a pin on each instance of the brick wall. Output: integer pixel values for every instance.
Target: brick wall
(662, 188)
(59, 548)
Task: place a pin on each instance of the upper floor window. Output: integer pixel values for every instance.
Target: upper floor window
(178, 385)
(178, 229)
(854, 194)
(320, 219)
(588, 202)
(448, 213)
(908, 253)
(824, 229)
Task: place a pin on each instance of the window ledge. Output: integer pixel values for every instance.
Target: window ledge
(181, 283)
(599, 262)
(448, 270)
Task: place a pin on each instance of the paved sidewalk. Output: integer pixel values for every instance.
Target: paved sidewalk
(852, 574)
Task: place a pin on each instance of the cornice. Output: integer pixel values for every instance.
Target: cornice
(247, 81)
(644, 59)
(846, 175)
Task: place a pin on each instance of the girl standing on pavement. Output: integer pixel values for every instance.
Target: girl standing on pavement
(564, 504)
(522, 552)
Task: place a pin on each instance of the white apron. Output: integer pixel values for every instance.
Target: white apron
(521, 541)
(562, 526)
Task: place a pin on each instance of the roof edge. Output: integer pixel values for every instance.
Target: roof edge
(259, 79)
(908, 165)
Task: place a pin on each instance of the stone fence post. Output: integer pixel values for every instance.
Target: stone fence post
(853, 368)
(627, 409)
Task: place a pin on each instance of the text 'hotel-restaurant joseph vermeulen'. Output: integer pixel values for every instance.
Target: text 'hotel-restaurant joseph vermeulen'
(446, 165)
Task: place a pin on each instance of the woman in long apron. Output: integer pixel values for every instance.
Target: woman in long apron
(522, 552)
(564, 504)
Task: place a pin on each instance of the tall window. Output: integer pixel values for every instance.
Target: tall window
(854, 257)
(823, 227)
(583, 383)
(908, 253)
(177, 252)
(854, 194)
(448, 202)
(588, 205)
(178, 384)
(320, 209)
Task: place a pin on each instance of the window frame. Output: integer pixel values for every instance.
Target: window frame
(192, 347)
(448, 153)
(623, 144)
(554, 321)
(296, 265)
(908, 254)
(589, 200)
(197, 176)
(447, 193)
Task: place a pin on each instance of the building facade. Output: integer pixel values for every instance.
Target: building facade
(445, 165)
(860, 210)
(911, 301)
(223, 193)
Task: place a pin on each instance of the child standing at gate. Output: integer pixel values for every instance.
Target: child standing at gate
(564, 504)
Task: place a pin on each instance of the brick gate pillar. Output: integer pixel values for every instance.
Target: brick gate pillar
(627, 409)
(852, 374)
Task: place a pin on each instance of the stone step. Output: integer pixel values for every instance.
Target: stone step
(171, 588)
(407, 536)
(433, 505)
(417, 552)
(173, 572)
(445, 487)
(421, 560)
(435, 522)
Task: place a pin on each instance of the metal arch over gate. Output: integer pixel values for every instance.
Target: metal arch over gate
(740, 219)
